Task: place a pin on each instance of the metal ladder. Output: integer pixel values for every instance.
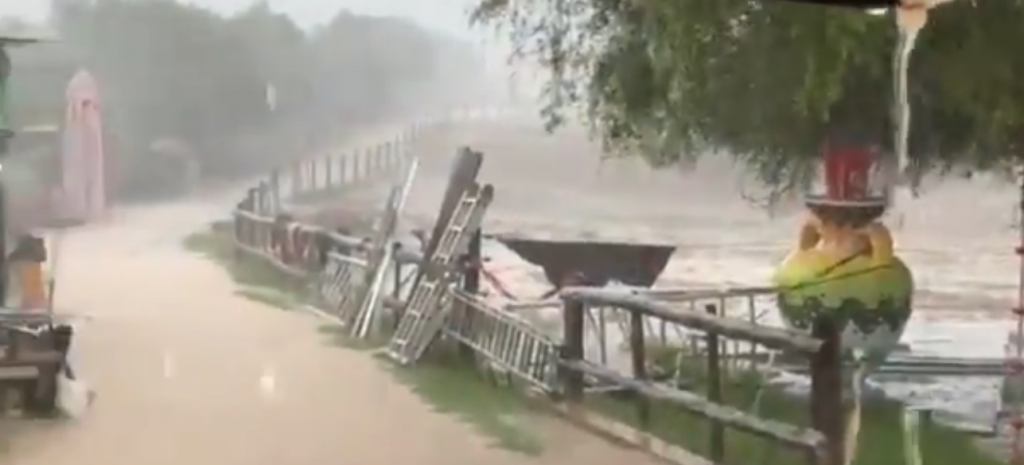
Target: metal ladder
(338, 282)
(381, 257)
(378, 261)
(426, 308)
(510, 345)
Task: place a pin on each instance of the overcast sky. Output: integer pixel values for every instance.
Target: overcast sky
(447, 15)
(444, 15)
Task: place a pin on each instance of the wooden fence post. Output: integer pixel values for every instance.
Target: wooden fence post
(471, 283)
(296, 175)
(393, 154)
(275, 189)
(365, 164)
(370, 163)
(638, 351)
(396, 286)
(393, 149)
(328, 172)
(378, 158)
(239, 234)
(396, 154)
(258, 196)
(827, 410)
(369, 160)
(572, 348)
(311, 176)
(314, 171)
(716, 436)
(343, 169)
(356, 156)
(243, 233)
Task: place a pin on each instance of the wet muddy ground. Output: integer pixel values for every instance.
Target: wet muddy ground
(187, 370)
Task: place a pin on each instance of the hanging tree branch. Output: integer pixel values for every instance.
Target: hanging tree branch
(767, 82)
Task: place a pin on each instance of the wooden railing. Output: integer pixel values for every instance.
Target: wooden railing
(298, 248)
(340, 269)
(312, 178)
(821, 444)
(512, 346)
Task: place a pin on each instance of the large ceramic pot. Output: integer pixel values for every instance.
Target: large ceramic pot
(851, 276)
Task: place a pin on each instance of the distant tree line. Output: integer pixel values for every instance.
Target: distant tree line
(174, 72)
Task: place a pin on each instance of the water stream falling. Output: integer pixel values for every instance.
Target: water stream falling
(909, 23)
(911, 17)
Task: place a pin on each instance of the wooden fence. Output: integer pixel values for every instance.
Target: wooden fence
(822, 443)
(322, 177)
(340, 271)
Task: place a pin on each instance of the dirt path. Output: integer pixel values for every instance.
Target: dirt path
(189, 373)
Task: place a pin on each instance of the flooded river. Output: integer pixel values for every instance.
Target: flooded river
(958, 238)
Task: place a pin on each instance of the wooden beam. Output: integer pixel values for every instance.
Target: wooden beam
(33, 358)
(792, 436)
(361, 244)
(774, 338)
(250, 216)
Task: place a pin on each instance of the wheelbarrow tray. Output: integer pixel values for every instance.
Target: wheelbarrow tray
(600, 262)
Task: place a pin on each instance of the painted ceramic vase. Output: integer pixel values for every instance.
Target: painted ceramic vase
(843, 266)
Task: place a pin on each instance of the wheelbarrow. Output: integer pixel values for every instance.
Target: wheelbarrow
(591, 263)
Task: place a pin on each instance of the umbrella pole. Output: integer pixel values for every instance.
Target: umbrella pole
(3, 234)
(6, 133)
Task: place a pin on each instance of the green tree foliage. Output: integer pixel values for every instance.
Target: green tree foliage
(767, 81)
(169, 70)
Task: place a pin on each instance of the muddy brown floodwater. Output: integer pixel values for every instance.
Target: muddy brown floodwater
(187, 372)
(958, 238)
